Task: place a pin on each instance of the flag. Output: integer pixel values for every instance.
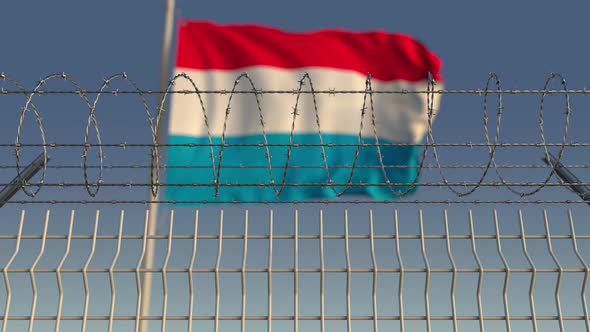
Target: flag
(293, 144)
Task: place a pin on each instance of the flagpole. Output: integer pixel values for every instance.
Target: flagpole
(146, 285)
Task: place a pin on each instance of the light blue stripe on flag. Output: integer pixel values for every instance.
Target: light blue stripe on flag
(255, 171)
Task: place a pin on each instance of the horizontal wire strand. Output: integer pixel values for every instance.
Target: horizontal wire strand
(91, 99)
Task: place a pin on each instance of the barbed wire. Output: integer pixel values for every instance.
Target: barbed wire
(295, 92)
(304, 184)
(305, 86)
(297, 202)
(329, 145)
(138, 166)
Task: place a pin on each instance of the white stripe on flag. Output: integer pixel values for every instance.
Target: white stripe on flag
(401, 118)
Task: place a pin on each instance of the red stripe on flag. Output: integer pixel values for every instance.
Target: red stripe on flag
(387, 56)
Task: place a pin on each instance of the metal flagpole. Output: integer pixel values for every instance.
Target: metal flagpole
(153, 207)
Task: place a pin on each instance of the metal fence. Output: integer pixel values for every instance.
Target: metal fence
(473, 249)
(449, 278)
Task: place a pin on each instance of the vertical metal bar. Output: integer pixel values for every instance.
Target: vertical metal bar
(534, 274)
(586, 269)
(375, 270)
(480, 278)
(506, 276)
(559, 275)
(85, 272)
(111, 273)
(148, 264)
(243, 273)
(137, 271)
(165, 271)
(322, 272)
(217, 265)
(190, 274)
(296, 270)
(7, 267)
(58, 273)
(153, 207)
(427, 281)
(348, 273)
(270, 222)
(454, 277)
(401, 274)
(32, 271)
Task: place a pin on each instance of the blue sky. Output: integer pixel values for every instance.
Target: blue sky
(521, 42)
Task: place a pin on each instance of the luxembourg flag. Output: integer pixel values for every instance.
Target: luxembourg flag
(294, 145)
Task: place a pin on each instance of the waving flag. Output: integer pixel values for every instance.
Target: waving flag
(316, 135)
